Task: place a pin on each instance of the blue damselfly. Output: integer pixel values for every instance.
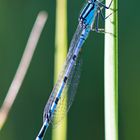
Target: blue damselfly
(90, 13)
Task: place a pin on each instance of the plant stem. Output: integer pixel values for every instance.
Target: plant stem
(23, 66)
(60, 132)
(111, 73)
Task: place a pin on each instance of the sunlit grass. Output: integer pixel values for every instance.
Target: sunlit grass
(111, 73)
(60, 132)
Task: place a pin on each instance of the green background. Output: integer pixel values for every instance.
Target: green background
(86, 116)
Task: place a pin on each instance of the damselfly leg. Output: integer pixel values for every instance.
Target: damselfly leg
(100, 13)
(103, 5)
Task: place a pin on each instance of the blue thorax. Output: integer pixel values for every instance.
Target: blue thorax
(88, 14)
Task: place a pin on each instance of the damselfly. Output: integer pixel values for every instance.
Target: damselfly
(90, 13)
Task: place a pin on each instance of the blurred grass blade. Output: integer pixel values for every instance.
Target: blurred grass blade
(23, 66)
(60, 132)
(111, 73)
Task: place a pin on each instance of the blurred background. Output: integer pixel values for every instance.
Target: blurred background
(86, 116)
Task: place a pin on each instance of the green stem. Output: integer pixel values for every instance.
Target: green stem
(111, 73)
(60, 132)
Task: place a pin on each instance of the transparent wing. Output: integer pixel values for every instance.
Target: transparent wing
(68, 93)
(73, 45)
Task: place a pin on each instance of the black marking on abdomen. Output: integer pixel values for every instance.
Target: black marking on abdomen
(56, 100)
(74, 57)
(48, 118)
(65, 79)
(42, 132)
(83, 38)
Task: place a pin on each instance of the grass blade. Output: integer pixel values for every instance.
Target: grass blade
(23, 67)
(60, 132)
(111, 73)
